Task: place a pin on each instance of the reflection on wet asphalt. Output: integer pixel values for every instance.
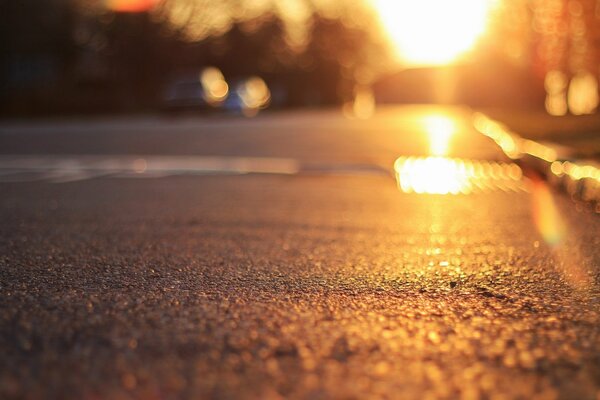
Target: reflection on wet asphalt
(444, 175)
(301, 286)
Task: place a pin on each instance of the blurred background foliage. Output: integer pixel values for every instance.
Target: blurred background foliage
(97, 56)
(83, 56)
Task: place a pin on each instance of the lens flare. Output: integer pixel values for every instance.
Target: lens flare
(545, 214)
(569, 258)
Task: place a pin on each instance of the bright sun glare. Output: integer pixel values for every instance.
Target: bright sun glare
(433, 32)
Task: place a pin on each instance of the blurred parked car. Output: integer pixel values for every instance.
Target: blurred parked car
(248, 97)
(203, 91)
(184, 94)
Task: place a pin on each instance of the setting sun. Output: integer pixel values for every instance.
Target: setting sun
(130, 5)
(433, 32)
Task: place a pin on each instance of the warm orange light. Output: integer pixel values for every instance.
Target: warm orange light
(443, 175)
(439, 129)
(255, 95)
(509, 142)
(551, 225)
(432, 175)
(545, 214)
(130, 5)
(433, 32)
(215, 87)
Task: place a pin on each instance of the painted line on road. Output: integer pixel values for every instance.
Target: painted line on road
(58, 169)
(428, 175)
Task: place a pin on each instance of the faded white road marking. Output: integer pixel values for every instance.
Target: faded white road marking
(71, 168)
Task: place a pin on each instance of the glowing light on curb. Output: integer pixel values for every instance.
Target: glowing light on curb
(508, 141)
(538, 150)
(575, 171)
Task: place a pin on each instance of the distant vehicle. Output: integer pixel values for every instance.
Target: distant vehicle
(249, 96)
(234, 103)
(184, 94)
(208, 90)
(203, 91)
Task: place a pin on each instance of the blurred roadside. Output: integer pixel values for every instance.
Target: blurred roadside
(563, 150)
(576, 135)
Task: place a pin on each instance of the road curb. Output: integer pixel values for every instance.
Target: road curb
(558, 165)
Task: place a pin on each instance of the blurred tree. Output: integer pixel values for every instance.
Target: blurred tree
(37, 50)
(96, 59)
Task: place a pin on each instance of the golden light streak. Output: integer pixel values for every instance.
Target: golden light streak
(508, 141)
(362, 106)
(443, 175)
(439, 129)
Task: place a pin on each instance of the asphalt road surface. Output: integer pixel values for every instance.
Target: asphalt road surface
(278, 257)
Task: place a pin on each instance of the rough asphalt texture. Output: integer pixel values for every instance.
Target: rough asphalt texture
(306, 286)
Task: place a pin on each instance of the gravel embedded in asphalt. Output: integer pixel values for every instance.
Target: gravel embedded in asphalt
(262, 287)
(301, 286)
